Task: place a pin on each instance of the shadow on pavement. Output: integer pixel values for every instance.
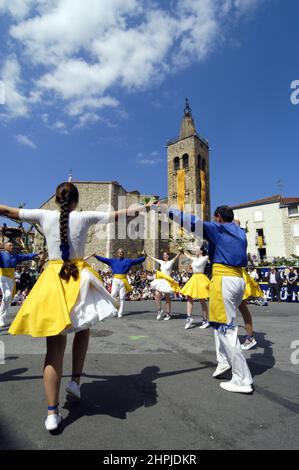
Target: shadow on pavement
(118, 395)
(7, 440)
(260, 362)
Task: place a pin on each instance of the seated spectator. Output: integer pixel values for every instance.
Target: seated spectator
(18, 298)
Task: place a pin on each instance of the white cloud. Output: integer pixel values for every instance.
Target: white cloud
(77, 107)
(80, 51)
(25, 140)
(150, 161)
(87, 119)
(16, 104)
(16, 8)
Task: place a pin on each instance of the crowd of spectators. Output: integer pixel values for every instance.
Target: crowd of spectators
(140, 281)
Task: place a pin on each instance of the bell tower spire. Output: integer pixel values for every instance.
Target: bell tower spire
(187, 125)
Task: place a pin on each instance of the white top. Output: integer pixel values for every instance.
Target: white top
(166, 266)
(79, 223)
(254, 275)
(272, 278)
(199, 264)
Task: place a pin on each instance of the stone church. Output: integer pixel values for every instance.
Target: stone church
(188, 186)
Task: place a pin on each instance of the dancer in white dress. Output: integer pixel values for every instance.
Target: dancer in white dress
(197, 287)
(164, 284)
(69, 295)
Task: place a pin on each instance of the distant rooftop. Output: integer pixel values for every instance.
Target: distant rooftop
(277, 198)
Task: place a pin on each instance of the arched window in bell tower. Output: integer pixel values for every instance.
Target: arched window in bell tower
(199, 162)
(176, 164)
(185, 161)
(204, 165)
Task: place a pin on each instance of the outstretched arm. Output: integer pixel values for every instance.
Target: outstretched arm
(153, 259)
(132, 211)
(176, 257)
(192, 223)
(188, 256)
(103, 260)
(88, 257)
(27, 257)
(137, 261)
(10, 212)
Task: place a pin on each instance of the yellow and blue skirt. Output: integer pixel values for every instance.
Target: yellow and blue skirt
(164, 284)
(252, 289)
(197, 287)
(55, 306)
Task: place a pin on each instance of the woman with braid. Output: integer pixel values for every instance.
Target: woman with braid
(69, 295)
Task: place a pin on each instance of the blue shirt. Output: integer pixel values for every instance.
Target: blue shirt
(227, 242)
(11, 260)
(121, 266)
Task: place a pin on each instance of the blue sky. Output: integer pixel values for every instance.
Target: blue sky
(105, 99)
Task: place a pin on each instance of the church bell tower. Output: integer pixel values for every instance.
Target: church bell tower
(188, 168)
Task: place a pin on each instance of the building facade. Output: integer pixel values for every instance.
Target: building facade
(273, 227)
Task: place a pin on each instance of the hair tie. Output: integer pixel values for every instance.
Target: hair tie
(65, 251)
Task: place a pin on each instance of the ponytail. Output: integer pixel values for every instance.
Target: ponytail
(65, 196)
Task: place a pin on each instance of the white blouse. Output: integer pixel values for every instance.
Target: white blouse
(199, 264)
(79, 223)
(166, 266)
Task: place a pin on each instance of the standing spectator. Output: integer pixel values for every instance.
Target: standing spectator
(254, 274)
(17, 278)
(292, 279)
(274, 280)
(25, 279)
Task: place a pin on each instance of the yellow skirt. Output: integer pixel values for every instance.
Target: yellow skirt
(47, 309)
(164, 284)
(252, 289)
(197, 287)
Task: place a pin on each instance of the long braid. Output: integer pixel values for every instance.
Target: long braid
(69, 269)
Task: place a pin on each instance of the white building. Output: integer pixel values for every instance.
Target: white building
(273, 226)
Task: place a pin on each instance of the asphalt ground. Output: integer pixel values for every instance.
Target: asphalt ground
(148, 385)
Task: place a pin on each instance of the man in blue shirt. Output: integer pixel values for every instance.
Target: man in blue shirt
(120, 266)
(227, 252)
(8, 262)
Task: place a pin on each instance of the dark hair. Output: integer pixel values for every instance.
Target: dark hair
(66, 195)
(225, 212)
(203, 249)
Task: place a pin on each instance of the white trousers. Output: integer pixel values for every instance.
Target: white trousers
(118, 290)
(228, 348)
(6, 288)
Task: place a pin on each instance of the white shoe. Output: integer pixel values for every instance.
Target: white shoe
(205, 324)
(231, 387)
(167, 317)
(119, 315)
(52, 422)
(73, 389)
(189, 322)
(249, 343)
(160, 315)
(2, 322)
(221, 368)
